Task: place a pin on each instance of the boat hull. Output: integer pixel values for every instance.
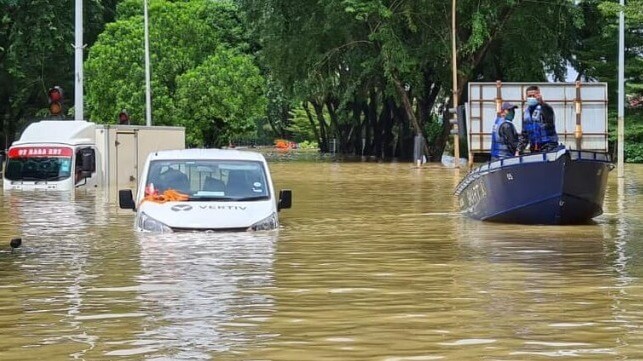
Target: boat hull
(562, 187)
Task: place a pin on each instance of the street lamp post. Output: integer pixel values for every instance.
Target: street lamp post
(456, 136)
(621, 91)
(78, 53)
(148, 90)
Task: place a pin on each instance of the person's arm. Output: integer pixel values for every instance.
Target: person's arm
(508, 133)
(549, 118)
(523, 140)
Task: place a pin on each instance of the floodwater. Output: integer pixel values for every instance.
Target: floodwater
(373, 262)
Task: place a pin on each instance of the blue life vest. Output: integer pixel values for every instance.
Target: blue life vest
(498, 146)
(538, 134)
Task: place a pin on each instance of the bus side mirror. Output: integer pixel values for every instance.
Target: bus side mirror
(125, 199)
(285, 199)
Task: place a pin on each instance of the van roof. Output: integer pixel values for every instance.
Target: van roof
(58, 131)
(200, 153)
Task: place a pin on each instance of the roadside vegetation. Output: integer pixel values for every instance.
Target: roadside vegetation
(365, 76)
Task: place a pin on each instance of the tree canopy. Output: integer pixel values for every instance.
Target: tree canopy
(193, 71)
(380, 67)
(369, 74)
(36, 54)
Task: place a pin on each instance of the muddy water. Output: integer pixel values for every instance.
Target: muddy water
(373, 262)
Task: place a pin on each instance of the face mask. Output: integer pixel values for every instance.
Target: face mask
(531, 101)
(510, 115)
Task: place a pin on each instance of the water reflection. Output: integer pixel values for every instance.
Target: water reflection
(204, 292)
(535, 248)
(54, 266)
(373, 263)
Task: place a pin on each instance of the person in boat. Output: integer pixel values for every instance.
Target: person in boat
(504, 137)
(538, 124)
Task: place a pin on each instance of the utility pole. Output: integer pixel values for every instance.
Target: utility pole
(456, 136)
(148, 90)
(78, 52)
(621, 91)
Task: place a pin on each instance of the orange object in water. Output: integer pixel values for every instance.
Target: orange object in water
(282, 144)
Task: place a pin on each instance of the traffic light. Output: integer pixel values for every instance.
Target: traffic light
(457, 120)
(123, 117)
(55, 95)
(453, 120)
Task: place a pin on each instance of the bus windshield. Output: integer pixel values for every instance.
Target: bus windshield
(38, 163)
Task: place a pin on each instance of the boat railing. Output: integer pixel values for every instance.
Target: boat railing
(530, 158)
(526, 158)
(588, 155)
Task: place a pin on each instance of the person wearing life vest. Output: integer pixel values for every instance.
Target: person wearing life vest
(538, 124)
(504, 137)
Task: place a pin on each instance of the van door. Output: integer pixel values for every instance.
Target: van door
(126, 160)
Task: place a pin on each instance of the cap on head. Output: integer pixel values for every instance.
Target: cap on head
(507, 106)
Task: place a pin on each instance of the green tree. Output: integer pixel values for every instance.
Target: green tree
(183, 35)
(380, 67)
(596, 55)
(221, 99)
(596, 59)
(35, 54)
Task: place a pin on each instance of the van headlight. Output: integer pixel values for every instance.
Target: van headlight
(265, 224)
(147, 223)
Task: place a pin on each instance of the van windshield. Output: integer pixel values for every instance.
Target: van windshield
(38, 163)
(209, 179)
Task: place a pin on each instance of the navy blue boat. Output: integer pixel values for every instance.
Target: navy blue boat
(557, 187)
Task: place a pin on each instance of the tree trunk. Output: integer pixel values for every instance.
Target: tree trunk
(437, 148)
(409, 112)
(323, 130)
(304, 105)
(386, 121)
(335, 126)
(375, 147)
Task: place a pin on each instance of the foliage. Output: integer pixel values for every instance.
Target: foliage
(357, 69)
(220, 99)
(306, 144)
(300, 126)
(433, 127)
(183, 37)
(596, 53)
(633, 134)
(277, 110)
(634, 138)
(366, 61)
(35, 54)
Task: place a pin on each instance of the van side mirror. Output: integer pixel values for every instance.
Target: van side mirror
(126, 200)
(285, 199)
(87, 161)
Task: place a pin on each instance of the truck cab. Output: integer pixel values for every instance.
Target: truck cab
(55, 155)
(207, 190)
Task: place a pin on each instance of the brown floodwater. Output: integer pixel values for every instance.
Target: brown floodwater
(373, 262)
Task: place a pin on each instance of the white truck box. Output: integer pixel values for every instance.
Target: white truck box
(126, 148)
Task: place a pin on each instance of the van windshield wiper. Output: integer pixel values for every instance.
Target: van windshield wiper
(253, 198)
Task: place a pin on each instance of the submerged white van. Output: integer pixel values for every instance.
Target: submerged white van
(205, 189)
